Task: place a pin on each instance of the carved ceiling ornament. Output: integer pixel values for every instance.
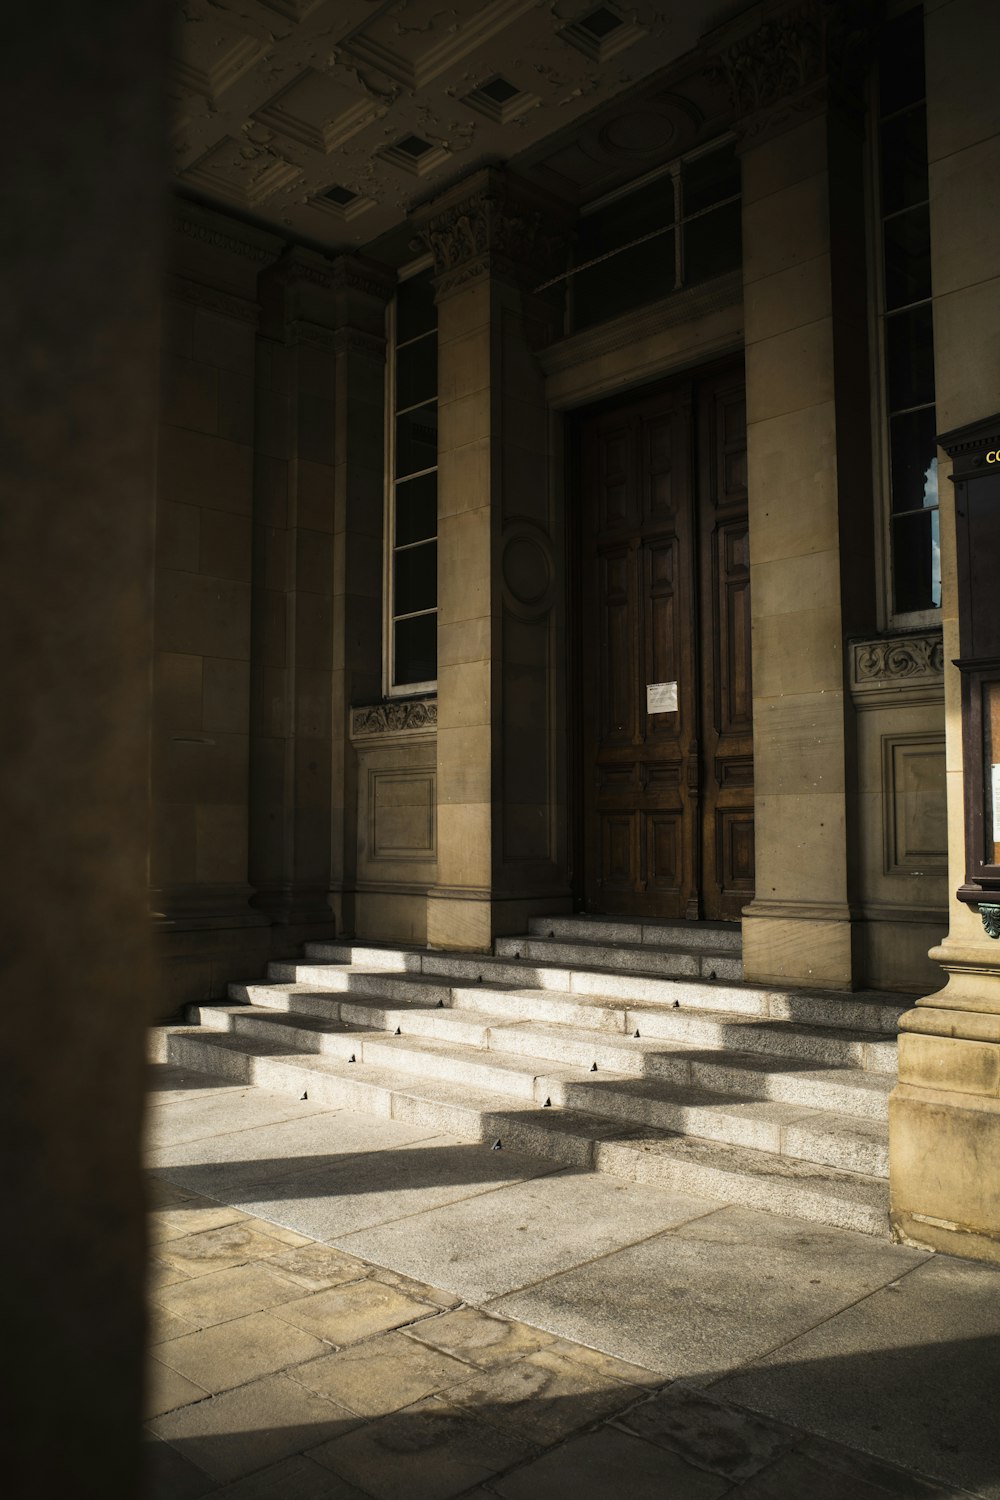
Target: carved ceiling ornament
(798, 55)
(498, 227)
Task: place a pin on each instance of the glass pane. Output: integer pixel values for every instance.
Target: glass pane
(415, 572)
(415, 310)
(416, 509)
(901, 62)
(627, 280)
(913, 456)
(909, 339)
(916, 562)
(904, 160)
(712, 244)
(416, 650)
(907, 246)
(710, 179)
(649, 208)
(416, 372)
(416, 440)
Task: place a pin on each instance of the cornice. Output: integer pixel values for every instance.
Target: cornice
(218, 232)
(183, 289)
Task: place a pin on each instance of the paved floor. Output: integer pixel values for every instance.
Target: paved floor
(350, 1308)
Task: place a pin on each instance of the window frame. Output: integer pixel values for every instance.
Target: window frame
(390, 688)
(889, 617)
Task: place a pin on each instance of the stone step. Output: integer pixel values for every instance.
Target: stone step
(676, 1021)
(735, 1174)
(868, 1011)
(849, 1090)
(717, 937)
(819, 1136)
(632, 958)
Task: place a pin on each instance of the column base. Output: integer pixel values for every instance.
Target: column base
(803, 943)
(471, 921)
(944, 1169)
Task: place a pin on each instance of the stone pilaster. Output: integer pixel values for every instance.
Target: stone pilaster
(202, 625)
(500, 773)
(316, 506)
(944, 1115)
(809, 477)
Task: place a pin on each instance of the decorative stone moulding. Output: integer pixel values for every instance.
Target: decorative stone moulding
(901, 666)
(409, 716)
(782, 61)
(491, 224)
(991, 918)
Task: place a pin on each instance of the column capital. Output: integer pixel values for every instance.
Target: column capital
(492, 224)
(784, 60)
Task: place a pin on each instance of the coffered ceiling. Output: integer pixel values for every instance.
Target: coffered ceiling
(328, 120)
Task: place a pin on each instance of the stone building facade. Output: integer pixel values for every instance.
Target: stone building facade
(556, 522)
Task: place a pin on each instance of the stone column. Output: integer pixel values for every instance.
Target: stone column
(81, 200)
(501, 724)
(810, 485)
(317, 509)
(201, 683)
(944, 1115)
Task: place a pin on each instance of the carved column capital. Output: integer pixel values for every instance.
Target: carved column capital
(492, 224)
(785, 60)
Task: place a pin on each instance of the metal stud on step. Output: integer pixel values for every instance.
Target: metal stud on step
(677, 1005)
(635, 1033)
(440, 1005)
(713, 975)
(593, 1067)
(304, 1096)
(397, 1032)
(497, 1145)
(547, 1104)
(352, 1058)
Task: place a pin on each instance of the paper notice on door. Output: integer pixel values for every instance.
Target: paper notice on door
(995, 794)
(661, 697)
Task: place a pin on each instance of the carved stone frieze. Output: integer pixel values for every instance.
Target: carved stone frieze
(403, 716)
(193, 225)
(899, 662)
(182, 289)
(497, 227)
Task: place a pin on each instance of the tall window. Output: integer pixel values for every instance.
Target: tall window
(676, 227)
(412, 511)
(907, 332)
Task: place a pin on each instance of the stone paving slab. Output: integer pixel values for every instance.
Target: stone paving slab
(912, 1374)
(480, 1248)
(290, 1369)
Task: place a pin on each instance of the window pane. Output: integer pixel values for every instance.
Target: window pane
(416, 650)
(913, 456)
(909, 339)
(907, 240)
(415, 310)
(416, 579)
(710, 179)
(649, 208)
(627, 280)
(904, 160)
(416, 440)
(416, 372)
(416, 509)
(901, 62)
(712, 244)
(916, 562)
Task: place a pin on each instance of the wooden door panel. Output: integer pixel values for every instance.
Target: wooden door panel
(668, 797)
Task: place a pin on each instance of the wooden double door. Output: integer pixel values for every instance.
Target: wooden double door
(664, 632)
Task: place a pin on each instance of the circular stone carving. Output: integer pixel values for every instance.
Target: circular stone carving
(527, 571)
(640, 132)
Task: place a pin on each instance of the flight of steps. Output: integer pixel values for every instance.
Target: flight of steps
(624, 1048)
